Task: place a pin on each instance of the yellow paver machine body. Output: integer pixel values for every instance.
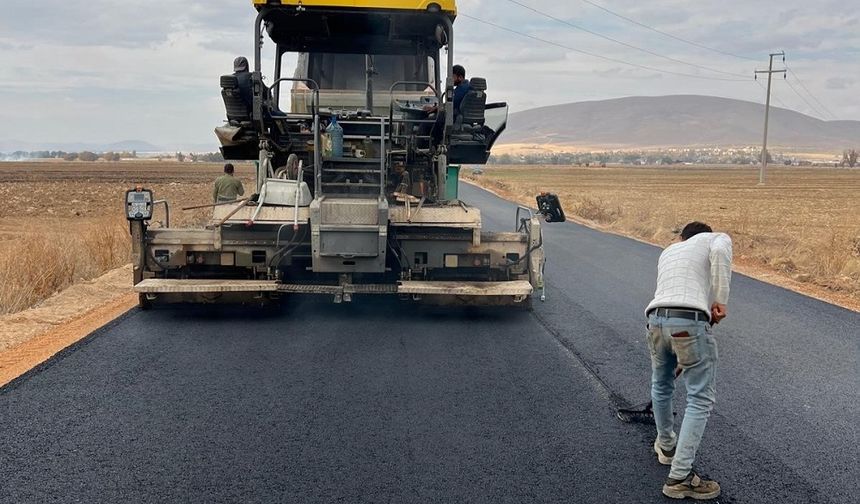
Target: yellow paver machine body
(357, 180)
(447, 6)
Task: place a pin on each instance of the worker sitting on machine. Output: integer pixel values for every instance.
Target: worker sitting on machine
(243, 76)
(241, 71)
(461, 89)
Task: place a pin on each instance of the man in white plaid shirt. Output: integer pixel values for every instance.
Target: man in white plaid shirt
(693, 280)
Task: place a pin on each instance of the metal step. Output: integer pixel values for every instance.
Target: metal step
(513, 288)
(351, 184)
(376, 161)
(350, 170)
(489, 289)
(362, 137)
(164, 286)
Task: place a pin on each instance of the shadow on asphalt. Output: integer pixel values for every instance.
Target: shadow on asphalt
(388, 309)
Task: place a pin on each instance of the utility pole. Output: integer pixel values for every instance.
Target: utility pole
(770, 71)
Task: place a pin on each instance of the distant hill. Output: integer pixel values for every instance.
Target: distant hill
(675, 121)
(131, 145)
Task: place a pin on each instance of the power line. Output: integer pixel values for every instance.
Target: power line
(595, 55)
(810, 92)
(661, 32)
(811, 106)
(776, 98)
(621, 42)
(702, 46)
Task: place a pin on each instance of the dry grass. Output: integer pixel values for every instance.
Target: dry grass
(38, 265)
(804, 224)
(61, 223)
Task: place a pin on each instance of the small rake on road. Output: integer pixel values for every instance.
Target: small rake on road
(643, 413)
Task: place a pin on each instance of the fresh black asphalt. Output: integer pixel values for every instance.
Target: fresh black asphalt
(382, 401)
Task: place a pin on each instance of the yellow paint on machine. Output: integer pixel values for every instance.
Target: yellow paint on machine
(418, 5)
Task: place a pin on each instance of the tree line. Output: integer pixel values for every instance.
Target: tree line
(89, 156)
(194, 157)
(849, 158)
(710, 156)
(70, 156)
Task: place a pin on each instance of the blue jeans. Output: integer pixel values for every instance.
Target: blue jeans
(690, 346)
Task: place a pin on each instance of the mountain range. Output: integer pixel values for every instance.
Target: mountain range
(635, 122)
(675, 121)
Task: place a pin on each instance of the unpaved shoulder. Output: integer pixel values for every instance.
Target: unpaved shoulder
(30, 337)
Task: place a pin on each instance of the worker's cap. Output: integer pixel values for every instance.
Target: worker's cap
(240, 64)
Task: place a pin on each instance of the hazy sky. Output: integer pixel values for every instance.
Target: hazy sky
(104, 71)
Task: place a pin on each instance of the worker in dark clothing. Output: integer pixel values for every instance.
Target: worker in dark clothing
(461, 89)
(227, 187)
(246, 87)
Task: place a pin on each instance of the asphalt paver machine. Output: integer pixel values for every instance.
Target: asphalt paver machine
(357, 183)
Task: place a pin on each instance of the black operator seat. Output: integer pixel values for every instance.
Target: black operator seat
(471, 137)
(473, 106)
(238, 138)
(238, 112)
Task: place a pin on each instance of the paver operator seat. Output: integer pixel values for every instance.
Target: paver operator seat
(473, 107)
(238, 111)
(472, 136)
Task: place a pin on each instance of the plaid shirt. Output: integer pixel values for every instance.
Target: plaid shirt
(694, 273)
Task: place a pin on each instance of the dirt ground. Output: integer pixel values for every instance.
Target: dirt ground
(801, 229)
(60, 197)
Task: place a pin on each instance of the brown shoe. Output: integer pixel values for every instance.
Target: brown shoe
(665, 457)
(692, 486)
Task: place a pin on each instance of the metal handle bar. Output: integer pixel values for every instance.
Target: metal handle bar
(521, 223)
(315, 88)
(391, 104)
(166, 211)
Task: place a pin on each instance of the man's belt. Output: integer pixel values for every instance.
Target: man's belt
(684, 313)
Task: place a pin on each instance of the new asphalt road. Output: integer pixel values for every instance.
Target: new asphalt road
(380, 401)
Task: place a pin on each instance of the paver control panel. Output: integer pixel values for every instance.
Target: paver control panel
(138, 204)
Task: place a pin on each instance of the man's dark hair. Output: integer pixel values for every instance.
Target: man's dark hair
(694, 228)
(228, 168)
(459, 71)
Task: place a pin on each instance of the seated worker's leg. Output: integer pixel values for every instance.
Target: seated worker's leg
(438, 128)
(276, 112)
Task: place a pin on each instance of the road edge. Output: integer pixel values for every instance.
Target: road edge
(19, 360)
(749, 269)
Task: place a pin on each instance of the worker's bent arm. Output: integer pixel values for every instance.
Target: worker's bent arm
(721, 268)
(241, 189)
(215, 192)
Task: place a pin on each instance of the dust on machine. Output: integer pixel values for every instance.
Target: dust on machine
(357, 184)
